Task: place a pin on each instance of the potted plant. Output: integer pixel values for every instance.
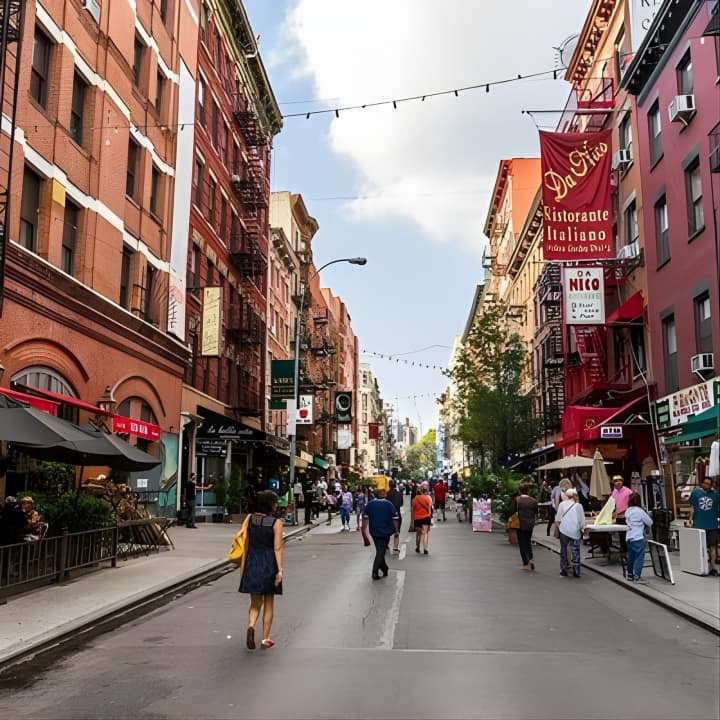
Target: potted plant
(235, 496)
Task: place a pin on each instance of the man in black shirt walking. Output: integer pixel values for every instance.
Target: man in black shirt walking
(396, 498)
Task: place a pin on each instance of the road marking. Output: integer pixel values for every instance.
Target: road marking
(392, 617)
(403, 551)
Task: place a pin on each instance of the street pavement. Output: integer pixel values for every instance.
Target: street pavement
(460, 633)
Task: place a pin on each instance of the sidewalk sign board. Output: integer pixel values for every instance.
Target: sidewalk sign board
(481, 515)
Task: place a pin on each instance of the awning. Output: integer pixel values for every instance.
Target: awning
(703, 425)
(48, 406)
(215, 426)
(321, 462)
(628, 312)
(64, 399)
(615, 418)
(534, 454)
(299, 462)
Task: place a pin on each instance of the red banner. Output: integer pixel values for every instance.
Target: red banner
(127, 426)
(373, 431)
(577, 209)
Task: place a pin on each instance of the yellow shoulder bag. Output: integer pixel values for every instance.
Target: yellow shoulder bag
(238, 548)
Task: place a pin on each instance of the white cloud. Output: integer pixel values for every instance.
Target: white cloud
(433, 162)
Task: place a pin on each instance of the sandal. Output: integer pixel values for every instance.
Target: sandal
(266, 644)
(250, 638)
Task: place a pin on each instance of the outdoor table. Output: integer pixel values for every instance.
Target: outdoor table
(610, 530)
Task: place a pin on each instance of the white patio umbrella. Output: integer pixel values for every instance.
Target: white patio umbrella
(599, 480)
(568, 462)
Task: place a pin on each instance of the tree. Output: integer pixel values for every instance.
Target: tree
(421, 455)
(496, 419)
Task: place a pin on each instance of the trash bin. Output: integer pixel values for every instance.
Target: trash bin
(661, 525)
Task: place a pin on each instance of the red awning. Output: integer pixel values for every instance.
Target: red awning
(64, 399)
(615, 418)
(629, 311)
(48, 406)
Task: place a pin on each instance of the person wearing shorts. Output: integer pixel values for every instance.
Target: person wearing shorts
(422, 517)
(704, 503)
(440, 492)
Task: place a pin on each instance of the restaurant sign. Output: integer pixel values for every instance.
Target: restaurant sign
(675, 409)
(219, 427)
(282, 383)
(584, 296)
(128, 426)
(577, 207)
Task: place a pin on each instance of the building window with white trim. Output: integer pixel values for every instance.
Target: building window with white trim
(30, 210)
(69, 238)
(77, 108)
(40, 72)
(693, 193)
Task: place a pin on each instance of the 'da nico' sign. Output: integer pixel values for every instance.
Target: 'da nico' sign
(577, 209)
(584, 296)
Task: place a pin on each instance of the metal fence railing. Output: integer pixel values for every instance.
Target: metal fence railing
(51, 559)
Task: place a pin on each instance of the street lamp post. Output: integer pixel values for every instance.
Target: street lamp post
(296, 377)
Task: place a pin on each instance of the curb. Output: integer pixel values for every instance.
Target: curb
(679, 609)
(124, 610)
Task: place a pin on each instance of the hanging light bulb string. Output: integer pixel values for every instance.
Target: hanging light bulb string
(405, 361)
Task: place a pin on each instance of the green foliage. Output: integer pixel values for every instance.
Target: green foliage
(496, 419)
(235, 492)
(51, 478)
(76, 513)
(419, 456)
(499, 487)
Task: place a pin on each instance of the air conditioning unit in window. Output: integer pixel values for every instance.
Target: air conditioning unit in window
(235, 179)
(629, 251)
(622, 158)
(93, 7)
(704, 362)
(682, 108)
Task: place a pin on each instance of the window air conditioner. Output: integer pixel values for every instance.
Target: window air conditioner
(702, 362)
(682, 108)
(629, 251)
(235, 179)
(622, 158)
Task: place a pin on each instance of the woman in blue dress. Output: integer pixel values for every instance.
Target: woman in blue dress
(262, 574)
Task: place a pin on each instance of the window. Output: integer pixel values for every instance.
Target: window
(164, 10)
(40, 67)
(693, 194)
(223, 218)
(662, 240)
(631, 224)
(138, 56)
(625, 134)
(193, 276)
(201, 102)
(655, 133)
(198, 181)
(670, 346)
(685, 75)
(210, 272)
(216, 48)
(155, 181)
(224, 143)
(159, 91)
(212, 189)
(703, 325)
(149, 288)
(132, 169)
(70, 227)
(214, 124)
(637, 342)
(76, 108)
(204, 24)
(125, 277)
(30, 210)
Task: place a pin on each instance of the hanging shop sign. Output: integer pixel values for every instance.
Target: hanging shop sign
(212, 322)
(675, 409)
(218, 427)
(577, 208)
(611, 432)
(584, 296)
(128, 426)
(304, 415)
(282, 383)
(211, 448)
(642, 13)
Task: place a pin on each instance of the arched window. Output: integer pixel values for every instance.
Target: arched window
(45, 378)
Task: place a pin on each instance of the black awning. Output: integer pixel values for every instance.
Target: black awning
(220, 427)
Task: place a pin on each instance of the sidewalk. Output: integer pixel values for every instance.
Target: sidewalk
(41, 616)
(693, 596)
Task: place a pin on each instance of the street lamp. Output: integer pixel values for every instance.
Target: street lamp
(296, 376)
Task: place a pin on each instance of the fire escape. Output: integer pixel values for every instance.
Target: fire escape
(11, 29)
(246, 329)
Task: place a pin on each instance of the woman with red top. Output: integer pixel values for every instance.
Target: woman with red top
(422, 517)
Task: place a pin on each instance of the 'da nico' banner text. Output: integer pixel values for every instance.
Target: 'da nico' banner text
(577, 210)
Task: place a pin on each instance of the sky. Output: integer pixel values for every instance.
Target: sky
(407, 188)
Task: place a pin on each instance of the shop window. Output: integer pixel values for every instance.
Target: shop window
(693, 195)
(662, 236)
(655, 133)
(40, 71)
(77, 108)
(30, 210)
(671, 359)
(69, 239)
(703, 324)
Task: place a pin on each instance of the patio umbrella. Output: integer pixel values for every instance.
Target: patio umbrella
(90, 446)
(599, 480)
(568, 462)
(21, 423)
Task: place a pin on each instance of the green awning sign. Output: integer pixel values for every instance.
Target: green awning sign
(321, 462)
(282, 383)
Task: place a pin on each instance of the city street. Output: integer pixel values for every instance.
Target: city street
(461, 633)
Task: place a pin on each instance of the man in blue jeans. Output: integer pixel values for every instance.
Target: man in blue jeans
(380, 521)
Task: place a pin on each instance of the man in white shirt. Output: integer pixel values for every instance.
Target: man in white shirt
(323, 484)
(571, 516)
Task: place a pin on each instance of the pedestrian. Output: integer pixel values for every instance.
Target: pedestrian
(298, 493)
(263, 571)
(360, 503)
(571, 517)
(636, 520)
(422, 511)
(621, 495)
(33, 521)
(396, 498)
(555, 500)
(346, 503)
(526, 508)
(440, 493)
(380, 522)
(191, 490)
(329, 502)
(308, 498)
(704, 503)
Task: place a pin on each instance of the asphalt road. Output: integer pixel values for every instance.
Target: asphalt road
(460, 633)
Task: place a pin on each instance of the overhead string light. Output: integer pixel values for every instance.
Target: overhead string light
(404, 361)
(456, 92)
